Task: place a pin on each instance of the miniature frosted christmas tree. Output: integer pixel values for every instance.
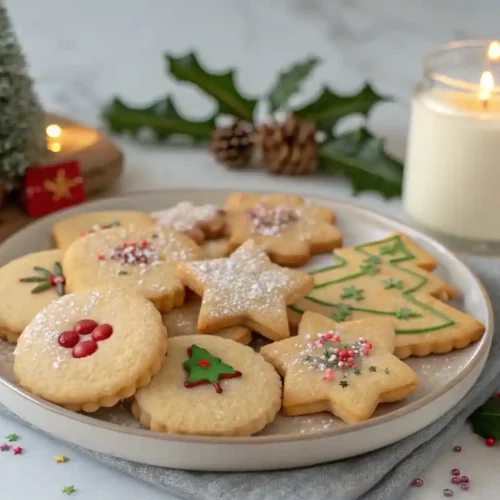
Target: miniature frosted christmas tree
(22, 127)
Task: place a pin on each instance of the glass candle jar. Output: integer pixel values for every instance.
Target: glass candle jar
(452, 169)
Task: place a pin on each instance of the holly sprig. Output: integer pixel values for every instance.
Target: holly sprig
(485, 420)
(358, 155)
(47, 279)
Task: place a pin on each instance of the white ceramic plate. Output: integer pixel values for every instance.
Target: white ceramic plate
(288, 441)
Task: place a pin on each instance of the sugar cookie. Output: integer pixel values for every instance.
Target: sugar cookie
(289, 230)
(245, 289)
(346, 369)
(214, 249)
(388, 278)
(184, 319)
(210, 386)
(27, 285)
(199, 222)
(91, 348)
(140, 258)
(68, 230)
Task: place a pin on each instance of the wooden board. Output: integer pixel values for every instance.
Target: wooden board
(101, 164)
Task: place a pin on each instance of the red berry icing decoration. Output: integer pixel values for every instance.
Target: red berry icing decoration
(85, 326)
(203, 368)
(102, 332)
(84, 348)
(68, 339)
(490, 442)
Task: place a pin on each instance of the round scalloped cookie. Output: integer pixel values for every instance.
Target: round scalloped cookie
(68, 230)
(143, 259)
(85, 365)
(212, 387)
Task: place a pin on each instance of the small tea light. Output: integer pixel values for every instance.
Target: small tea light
(68, 141)
(452, 171)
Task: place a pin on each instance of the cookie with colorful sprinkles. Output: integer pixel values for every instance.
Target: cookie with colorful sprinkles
(90, 349)
(27, 285)
(143, 259)
(346, 369)
(70, 229)
(289, 230)
(199, 222)
(390, 278)
(183, 321)
(245, 289)
(210, 386)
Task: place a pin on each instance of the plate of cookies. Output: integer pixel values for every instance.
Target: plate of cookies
(218, 330)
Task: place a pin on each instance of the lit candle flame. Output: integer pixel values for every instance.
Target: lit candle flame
(486, 85)
(494, 51)
(54, 146)
(53, 131)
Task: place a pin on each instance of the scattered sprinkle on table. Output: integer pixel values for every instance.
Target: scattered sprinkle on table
(69, 490)
(12, 437)
(5, 447)
(60, 459)
(17, 451)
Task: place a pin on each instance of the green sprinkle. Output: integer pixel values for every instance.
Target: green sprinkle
(386, 371)
(69, 490)
(343, 384)
(154, 235)
(357, 371)
(373, 368)
(351, 292)
(405, 313)
(122, 273)
(12, 437)
(391, 283)
(341, 313)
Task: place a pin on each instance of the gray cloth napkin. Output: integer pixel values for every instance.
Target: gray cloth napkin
(384, 474)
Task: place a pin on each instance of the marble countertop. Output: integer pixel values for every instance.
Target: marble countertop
(82, 53)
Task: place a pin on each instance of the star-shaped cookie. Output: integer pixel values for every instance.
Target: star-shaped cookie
(346, 369)
(245, 289)
(289, 231)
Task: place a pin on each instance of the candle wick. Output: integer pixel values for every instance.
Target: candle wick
(485, 104)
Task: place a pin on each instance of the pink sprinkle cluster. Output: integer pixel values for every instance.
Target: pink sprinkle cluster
(134, 253)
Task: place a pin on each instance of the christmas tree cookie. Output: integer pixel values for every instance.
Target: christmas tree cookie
(184, 319)
(283, 225)
(68, 230)
(143, 259)
(210, 386)
(245, 289)
(91, 349)
(346, 369)
(390, 278)
(27, 285)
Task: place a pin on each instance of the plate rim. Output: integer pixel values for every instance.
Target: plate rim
(267, 439)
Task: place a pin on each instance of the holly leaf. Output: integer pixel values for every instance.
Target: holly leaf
(33, 279)
(289, 81)
(361, 157)
(486, 419)
(220, 87)
(41, 287)
(329, 107)
(57, 269)
(161, 117)
(43, 271)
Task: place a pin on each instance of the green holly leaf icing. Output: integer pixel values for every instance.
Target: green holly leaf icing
(351, 292)
(57, 269)
(203, 368)
(43, 271)
(392, 283)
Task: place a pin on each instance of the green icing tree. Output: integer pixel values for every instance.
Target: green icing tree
(22, 127)
(203, 368)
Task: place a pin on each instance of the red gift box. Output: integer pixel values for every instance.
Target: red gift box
(51, 188)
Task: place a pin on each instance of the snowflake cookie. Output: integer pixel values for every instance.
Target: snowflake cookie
(346, 369)
(143, 259)
(289, 230)
(91, 348)
(210, 386)
(245, 289)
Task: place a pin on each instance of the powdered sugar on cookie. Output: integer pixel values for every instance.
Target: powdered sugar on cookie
(185, 215)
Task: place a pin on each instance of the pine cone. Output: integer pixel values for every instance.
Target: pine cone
(289, 148)
(233, 146)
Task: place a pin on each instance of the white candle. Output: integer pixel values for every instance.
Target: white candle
(452, 170)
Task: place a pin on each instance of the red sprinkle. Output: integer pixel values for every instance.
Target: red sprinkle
(457, 449)
(100, 257)
(17, 451)
(204, 363)
(102, 332)
(490, 442)
(68, 339)
(84, 348)
(85, 326)
(455, 480)
(455, 472)
(418, 482)
(5, 447)
(464, 479)
(144, 244)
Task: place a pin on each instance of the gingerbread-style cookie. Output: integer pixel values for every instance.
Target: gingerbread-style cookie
(91, 348)
(199, 222)
(143, 259)
(184, 319)
(346, 369)
(27, 285)
(210, 386)
(388, 278)
(245, 289)
(289, 230)
(68, 230)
